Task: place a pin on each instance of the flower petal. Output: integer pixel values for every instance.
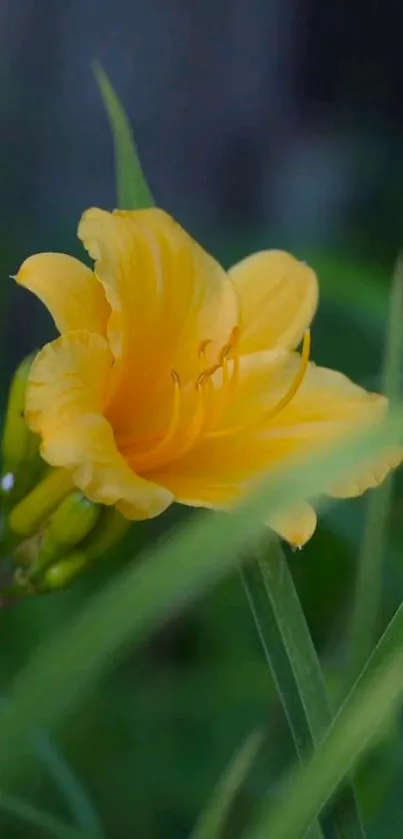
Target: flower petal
(70, 290)
(278, 296)
(329, 406)
(167, 296)
(222, 466)
(66, 391)
(296, 526)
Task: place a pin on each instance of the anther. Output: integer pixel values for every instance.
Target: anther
(175, 377)
(206, 375)
(202, 350)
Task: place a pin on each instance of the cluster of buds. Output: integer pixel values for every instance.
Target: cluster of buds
(49, 531)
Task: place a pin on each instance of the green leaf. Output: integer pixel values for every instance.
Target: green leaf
(369, 574)
(44, 821)
(133, 192)
(359, 723)
(296, 670)
(212, 820)
(147, 593)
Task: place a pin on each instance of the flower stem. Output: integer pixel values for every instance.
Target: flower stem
(296, 670)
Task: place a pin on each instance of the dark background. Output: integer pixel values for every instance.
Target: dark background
(259, 123)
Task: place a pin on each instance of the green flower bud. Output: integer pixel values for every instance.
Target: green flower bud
(111, 528)
(28, 515)
(61, 573)
(20, 447)
(67, 527)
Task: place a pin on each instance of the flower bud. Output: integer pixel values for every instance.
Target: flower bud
(70, 523)
(20, 447)
(111, 528)
(32, 512)
(61, 573)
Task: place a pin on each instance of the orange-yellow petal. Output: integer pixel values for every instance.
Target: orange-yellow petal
(278, 296)
(226, 462)
(66, 392)
(88, 449)
(296, 525)
(167, 296)
(329, 406)
(68, 378)
(70, 290)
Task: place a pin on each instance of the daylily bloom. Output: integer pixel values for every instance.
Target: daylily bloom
(174, 380)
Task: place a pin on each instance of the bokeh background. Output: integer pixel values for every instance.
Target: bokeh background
(260, 123)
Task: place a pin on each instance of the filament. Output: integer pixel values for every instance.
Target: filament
(297, 382)
(148, 458)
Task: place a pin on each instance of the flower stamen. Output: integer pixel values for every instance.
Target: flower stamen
(284, 401)
(148, 458)
(195, 429)
(297, 382)
(202, 353)
(168, 448)
(228, 352)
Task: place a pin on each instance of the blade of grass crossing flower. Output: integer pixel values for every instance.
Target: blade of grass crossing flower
(46, 823)
(161, 581)
(357, 726)
(212, 821)
(133, 192)
(369, 574)
(296, 669)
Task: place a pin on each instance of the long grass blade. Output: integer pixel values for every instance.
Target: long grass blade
(369, 574)
(63, 776)
(297, 672)
(212, 820)
(357, 726)
(79, 803)
(44, 821)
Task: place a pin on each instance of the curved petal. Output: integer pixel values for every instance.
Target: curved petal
(70, 290)
(296, 526)
(167, 296)
(66, 391)
(278, 296)
(327, 406)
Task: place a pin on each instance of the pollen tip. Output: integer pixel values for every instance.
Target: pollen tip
(175, 377)
(203, 345)
(234, 337)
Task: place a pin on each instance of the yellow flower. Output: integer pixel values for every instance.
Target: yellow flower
(175, 380)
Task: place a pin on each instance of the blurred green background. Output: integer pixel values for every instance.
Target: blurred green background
(259, 125)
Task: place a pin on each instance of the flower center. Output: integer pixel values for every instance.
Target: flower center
(180, 435)
(179, 439)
